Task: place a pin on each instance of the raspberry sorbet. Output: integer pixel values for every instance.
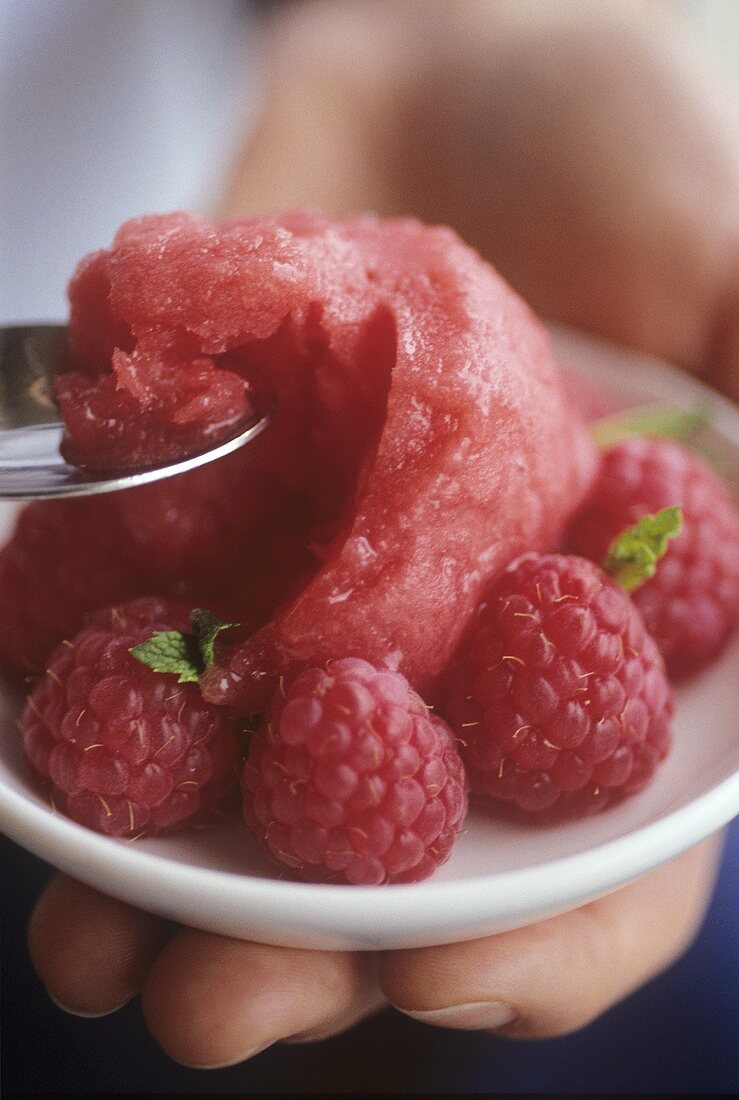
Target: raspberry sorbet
(421, 437)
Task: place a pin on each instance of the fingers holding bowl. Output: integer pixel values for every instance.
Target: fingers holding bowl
(209, 1001)
(554, 977)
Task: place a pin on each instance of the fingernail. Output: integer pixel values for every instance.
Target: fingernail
(477, 1015)
(85, 1015)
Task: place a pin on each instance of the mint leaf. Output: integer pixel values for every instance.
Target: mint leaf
(171, 651)
(207, 628)
(681, 425)
(185, 655)
(633, 555)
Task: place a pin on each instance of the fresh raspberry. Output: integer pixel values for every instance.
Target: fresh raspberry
(691, 605)
(64, 560)
(353, 780)
(126, 750)
(559, 694)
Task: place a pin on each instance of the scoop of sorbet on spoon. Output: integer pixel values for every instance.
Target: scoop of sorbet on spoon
(31, 430)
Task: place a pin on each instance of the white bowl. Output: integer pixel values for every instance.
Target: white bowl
(502, 874)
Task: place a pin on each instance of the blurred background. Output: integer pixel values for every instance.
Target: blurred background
(717, 23)
(111, 109)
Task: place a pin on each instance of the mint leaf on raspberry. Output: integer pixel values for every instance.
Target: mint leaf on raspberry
(207, 628)
(185, 655)
(691, 607)
(146, 756)
(171, 651)
(633, 555)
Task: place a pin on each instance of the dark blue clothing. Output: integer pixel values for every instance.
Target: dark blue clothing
(677, 1035)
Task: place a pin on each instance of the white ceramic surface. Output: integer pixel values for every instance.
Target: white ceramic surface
(501, 874)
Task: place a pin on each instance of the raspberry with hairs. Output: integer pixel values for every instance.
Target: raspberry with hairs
(691, 605)
(353, 780)
(558, 693)
(125, 750)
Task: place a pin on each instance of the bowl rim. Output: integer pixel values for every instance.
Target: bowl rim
(28, 822)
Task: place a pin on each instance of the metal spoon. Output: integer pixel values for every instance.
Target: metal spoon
(31, 465)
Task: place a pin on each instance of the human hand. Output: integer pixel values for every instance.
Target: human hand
(211, 1001)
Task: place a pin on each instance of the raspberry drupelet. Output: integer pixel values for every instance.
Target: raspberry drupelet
(353, 780)
(691, 605)
(125, 750)
(558, 693)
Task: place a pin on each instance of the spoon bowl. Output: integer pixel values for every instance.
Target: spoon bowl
(31, 463)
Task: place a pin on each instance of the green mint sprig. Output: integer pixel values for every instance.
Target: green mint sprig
(633, 555)
(184, 655)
